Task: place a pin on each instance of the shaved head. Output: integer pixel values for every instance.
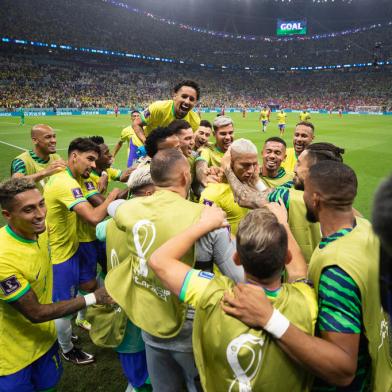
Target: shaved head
(39, 128)
(167, 167)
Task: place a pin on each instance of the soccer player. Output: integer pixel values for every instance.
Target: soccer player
(162, 113)
(42, 161)
(303, 136)
(104, 172)
(281, 117)
(304, 116)
(305, 233)
(65, 201)
(131, 139)
(211, 156)
(116, 111)
(130, 349)
(148, 222)
(161, 139)
(29, 356)
(352, 351)
(264, 117)
(22, 117)
(229, 354)
(271, 173)
(202, 135)
(183, 131)
(382, 221)
(245, 167)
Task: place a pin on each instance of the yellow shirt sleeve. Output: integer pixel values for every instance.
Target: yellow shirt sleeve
(195, 282)
(88, 188)
(205, 155)
(13, 284)
(125, 136)
(69, 193)
(150, 115)
(114, 174)
(210, 196)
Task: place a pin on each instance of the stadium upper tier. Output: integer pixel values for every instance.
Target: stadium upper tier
(81, 81)
(98, 24)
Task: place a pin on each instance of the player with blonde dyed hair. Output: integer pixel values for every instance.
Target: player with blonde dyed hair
(245, 166)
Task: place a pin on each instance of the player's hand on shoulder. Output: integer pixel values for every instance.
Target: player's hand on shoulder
(214, 174)
(249, 304)
(102, 296)
(213, 217)
(55, 167)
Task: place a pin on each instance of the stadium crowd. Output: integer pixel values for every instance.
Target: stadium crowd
(56, 81)
(215, 272)
(135, 33)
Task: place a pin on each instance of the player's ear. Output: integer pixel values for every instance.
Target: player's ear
(6, 214)
(289, 257)
(236, 258)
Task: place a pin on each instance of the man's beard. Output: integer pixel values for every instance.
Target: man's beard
(310, 215)
(298, 184)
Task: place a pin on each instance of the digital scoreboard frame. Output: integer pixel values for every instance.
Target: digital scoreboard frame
(291, 27)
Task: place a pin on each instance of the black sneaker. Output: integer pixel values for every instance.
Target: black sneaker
(78, 357)
(74, 338)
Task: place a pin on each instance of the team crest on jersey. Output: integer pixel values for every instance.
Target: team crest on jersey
(146, 113)
(89, 185)
(208, 202)
(10, 285)
(77, 192)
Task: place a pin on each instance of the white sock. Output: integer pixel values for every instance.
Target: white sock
(64, 333)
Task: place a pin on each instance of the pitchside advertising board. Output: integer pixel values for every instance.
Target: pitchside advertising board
(291, 27)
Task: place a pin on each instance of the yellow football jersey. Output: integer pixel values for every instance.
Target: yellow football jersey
(212, 155)
(24, 265)
(161, 114)
(86, 231)
(264, 115)
(304, 116)
(281, 117)
(222, 196)
(291, 159)
(62, 192)
(128, 134)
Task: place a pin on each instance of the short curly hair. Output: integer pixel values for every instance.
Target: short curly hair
(12, 187)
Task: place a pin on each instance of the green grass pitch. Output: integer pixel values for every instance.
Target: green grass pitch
(367, 140)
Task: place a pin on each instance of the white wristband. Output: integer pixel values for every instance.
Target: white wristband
(90, 299)
(277, 325)
(104, 173)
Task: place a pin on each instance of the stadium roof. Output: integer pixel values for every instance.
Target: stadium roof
(259, 16)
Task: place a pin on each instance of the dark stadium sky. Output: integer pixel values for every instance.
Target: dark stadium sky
(259, 16)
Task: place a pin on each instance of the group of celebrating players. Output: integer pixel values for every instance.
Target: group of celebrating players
(209, 271)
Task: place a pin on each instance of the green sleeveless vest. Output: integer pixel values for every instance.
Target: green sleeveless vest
(149, 222)
(277, 181)
(108, 323)
(306, 234)
(33, 166)
(230, 356)
(357, 253)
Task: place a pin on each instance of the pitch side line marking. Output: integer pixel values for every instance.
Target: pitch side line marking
(13, 145)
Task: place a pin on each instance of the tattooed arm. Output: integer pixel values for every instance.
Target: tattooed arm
(245, 195)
